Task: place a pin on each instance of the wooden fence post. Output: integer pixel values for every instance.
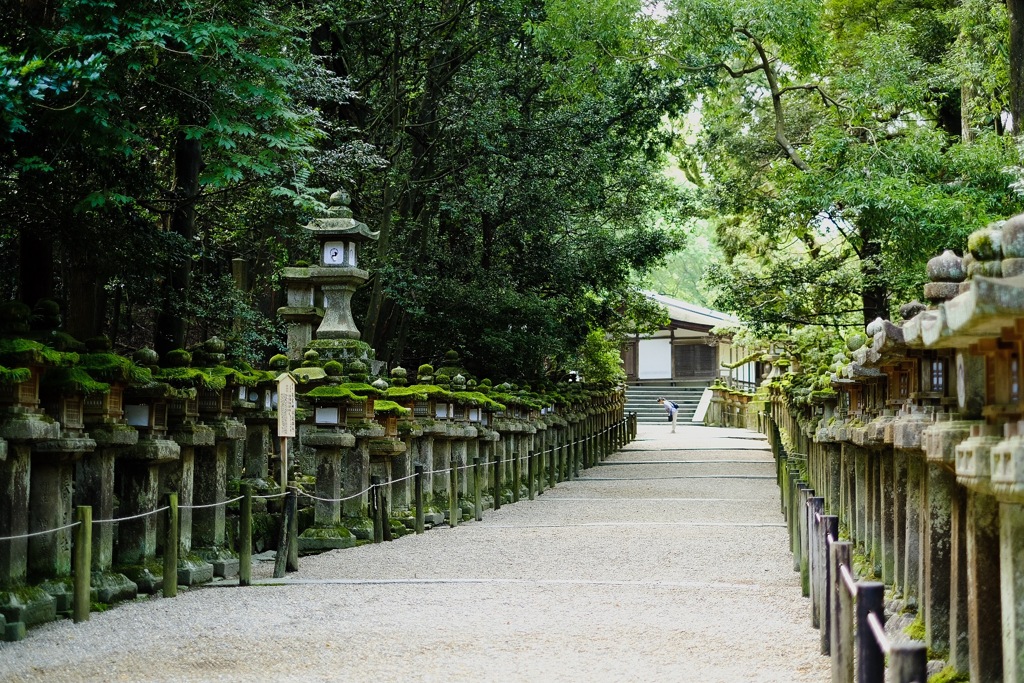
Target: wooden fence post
(497, 483)
(477, 497)
(171, 541)
(418, 495)
(816, 507)
(82, 582)
(517, 475)
(531, 473)
(378, 526)
(454, 512)
(908, 663)
(870, 658)
(829, 529)
(842, 615)
(245, 538)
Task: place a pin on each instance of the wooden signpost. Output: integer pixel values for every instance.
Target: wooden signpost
(285, 420)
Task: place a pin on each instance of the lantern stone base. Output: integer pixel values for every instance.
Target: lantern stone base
(148, 577)
(30, 606)
(110, 587)
(224, 561)
(320, 539)
(193, 570)
(342, 349)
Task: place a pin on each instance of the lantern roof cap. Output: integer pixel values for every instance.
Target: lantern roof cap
(338, 221)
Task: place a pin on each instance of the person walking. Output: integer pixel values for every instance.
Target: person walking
(672, 409)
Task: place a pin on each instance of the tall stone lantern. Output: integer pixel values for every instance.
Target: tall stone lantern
(337, 276)
(337, 273)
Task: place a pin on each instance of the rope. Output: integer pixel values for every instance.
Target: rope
(272, 495)
(334, 500)
(125, 519)
(39, 533)
(210, 505)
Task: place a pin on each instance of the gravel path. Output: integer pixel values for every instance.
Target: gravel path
(675, 569)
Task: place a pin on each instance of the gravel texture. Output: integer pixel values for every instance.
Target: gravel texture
(669, 572)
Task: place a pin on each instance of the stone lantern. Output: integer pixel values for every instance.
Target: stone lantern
(337, 273)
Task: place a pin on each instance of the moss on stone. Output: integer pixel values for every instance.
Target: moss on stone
(14, 375)
(335, 392)
(950, 675)
(26, 351)
(111, 367)
(75, 379)
(916, 629)
(389, 408)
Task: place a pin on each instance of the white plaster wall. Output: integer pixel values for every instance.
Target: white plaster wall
(654, 359)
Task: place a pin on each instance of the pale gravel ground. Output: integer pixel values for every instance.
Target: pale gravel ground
(670, 579)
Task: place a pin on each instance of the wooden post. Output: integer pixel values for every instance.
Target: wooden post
(908, 663)
(815, 539)
(293, 532)
(540, 473)
(477, 498)
(517, 475)
(170, 587)
(83, 564)
(829, 528)
(378, 526)
(552, 466)
(531, 473)
(245, 538)
(284, 464)
(870, 658)
(418, 494)
(497, 482)
(841, 646)
(281, 559)
(454, 513)
(385, 507)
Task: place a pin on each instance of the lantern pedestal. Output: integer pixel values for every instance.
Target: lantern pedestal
(94, 483)
(327, 532)
(181, 477)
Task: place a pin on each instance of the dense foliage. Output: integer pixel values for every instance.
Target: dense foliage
(510, 153)
(146, 145)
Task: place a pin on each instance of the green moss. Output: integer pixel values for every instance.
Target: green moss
(178, 358)
(192, 377)
(26, 351)
(389, 408)
(242, 373)
(332, 532)
(335, 391)
(72, 379)
(14, 375)
(111, 367)
(916, 629)
(413, 393)
(475, 398)
(950, 675)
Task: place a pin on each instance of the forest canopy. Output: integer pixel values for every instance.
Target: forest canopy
(158, 160)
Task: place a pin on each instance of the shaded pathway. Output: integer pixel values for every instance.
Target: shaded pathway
(667, 562)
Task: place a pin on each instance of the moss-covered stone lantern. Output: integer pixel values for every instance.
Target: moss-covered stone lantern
(337, 273)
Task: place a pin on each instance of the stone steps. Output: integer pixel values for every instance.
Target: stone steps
(643, 400)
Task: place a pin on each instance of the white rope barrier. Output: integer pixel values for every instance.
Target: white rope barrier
(210, 505)
(39, 533)
(125, 519)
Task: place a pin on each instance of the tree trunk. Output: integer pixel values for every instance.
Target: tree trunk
(1015, 9)
(874, 295)
(170, 323)
(35, 267)
(87, 302)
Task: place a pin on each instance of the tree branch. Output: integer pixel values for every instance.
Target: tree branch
(780, 117)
